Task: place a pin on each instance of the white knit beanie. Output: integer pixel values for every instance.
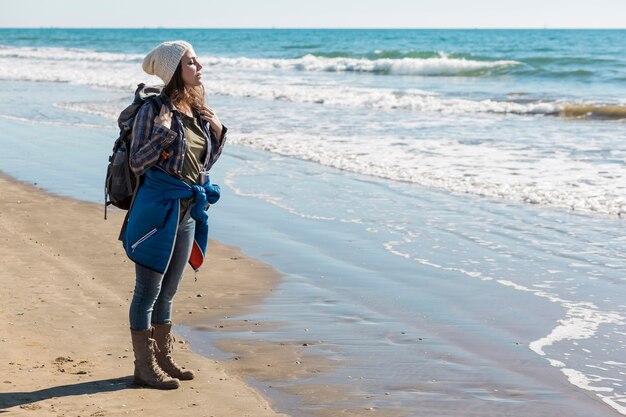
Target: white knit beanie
(163, 60)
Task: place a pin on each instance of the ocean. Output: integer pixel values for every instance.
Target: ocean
(446, 206)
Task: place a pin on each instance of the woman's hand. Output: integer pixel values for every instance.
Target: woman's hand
(209, 115)
(164, 118)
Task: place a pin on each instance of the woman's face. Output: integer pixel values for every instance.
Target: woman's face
(191, 69)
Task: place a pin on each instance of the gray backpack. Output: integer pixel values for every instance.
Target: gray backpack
(121, 184)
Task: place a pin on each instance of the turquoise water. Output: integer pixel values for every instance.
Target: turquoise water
(591, 59)
(508, 114)
(424, 192)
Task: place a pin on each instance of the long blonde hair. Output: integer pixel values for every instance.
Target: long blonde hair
(179, 93)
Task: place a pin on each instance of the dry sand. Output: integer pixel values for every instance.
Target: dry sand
(64, 339)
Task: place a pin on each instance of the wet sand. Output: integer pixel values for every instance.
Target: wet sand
(64, 338)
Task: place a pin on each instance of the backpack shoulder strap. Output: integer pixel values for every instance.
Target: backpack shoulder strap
(156, 103)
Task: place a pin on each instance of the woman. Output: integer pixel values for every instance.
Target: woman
(172, 151)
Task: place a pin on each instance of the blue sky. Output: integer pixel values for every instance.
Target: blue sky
(315, 13)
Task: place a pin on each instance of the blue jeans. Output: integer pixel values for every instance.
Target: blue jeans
(154, 292)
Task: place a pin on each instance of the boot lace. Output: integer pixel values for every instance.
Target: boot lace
(154, 348)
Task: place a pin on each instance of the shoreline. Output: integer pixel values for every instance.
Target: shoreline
(75, 368)
(65, 339)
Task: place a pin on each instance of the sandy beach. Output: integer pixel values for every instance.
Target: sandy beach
(64, 332)
(65, 344)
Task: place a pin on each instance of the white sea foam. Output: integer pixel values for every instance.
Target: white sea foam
(514, 173)
(379, 98)
(70, 66)
(49, 122)
(389, 246)
(231, 181)
(96, 109)
(442, 65)
(584, 381)
(228, 77)
(614, 400)
(617, 402)
(518, 174)
(581, 322)
(65, 54)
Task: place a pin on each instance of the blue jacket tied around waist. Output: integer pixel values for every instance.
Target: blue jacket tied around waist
(153, 220)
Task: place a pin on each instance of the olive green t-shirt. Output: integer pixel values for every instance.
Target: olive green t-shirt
(194, 157)
(196, 150)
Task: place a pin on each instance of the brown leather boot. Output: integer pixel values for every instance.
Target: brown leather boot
(165, 342)
(147, 371)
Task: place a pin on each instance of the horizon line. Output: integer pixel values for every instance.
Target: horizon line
(309, 28)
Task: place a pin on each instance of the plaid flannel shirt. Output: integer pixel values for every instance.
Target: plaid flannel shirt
(154, 144)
